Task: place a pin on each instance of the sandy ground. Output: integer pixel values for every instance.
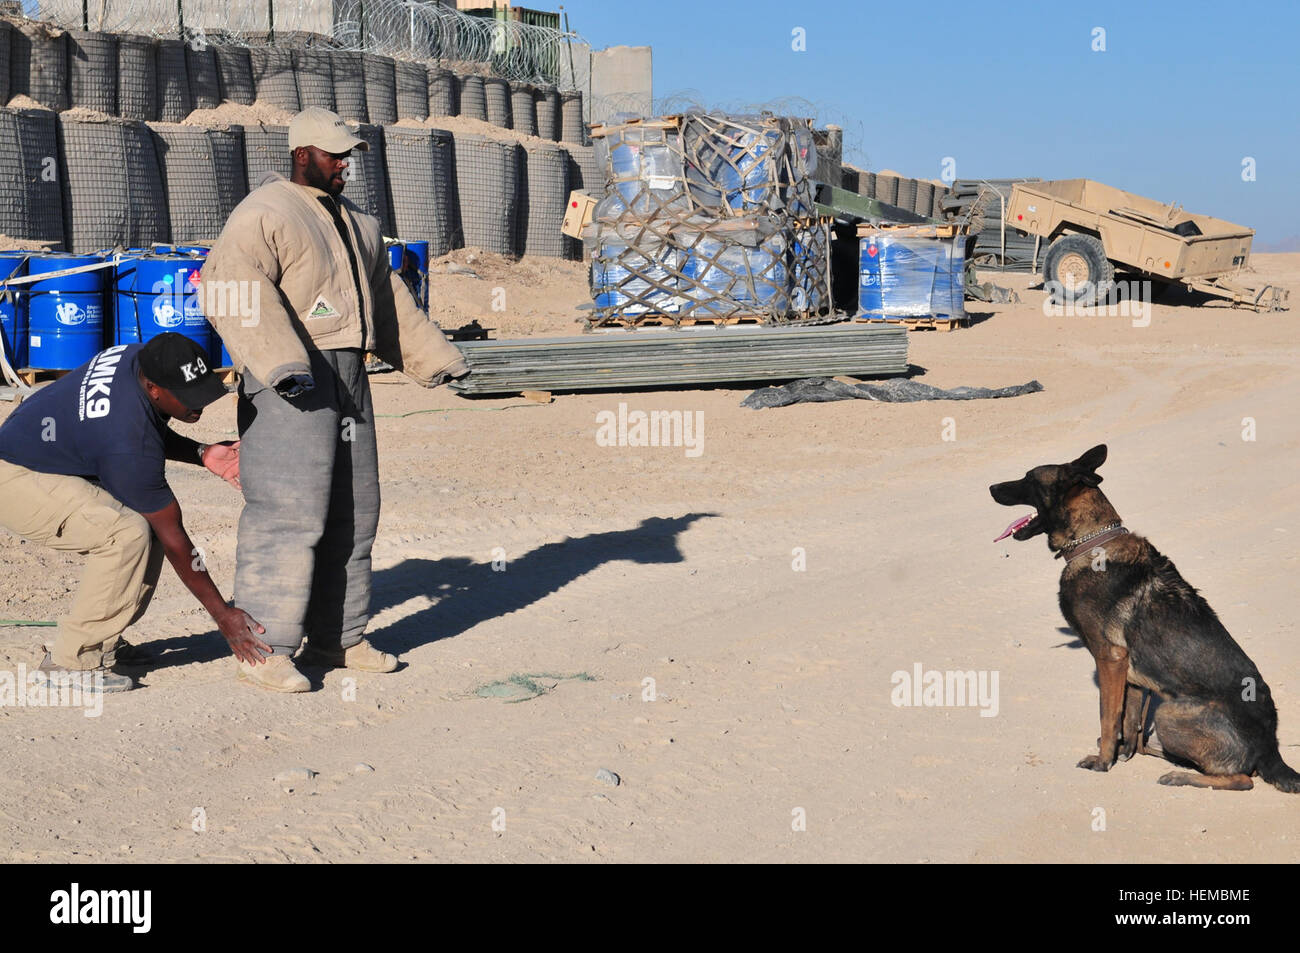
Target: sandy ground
(772, 686)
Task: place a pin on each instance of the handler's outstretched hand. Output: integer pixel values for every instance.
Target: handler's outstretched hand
(238, 627)
(223, 460)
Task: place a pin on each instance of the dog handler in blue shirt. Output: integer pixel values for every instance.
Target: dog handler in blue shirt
(82, 468)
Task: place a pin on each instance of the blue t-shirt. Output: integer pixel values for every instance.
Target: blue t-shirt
(95, 422)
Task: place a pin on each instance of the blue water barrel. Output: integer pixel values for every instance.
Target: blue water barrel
(13, 312)
(723, 269)
(220, 356)
(606, 277)
(65, 315)
(197, 251)
(957, 278)
(870, 300)
(743, 171)
(420, 252)
(910, 276)
(403, 262)
(155, 294)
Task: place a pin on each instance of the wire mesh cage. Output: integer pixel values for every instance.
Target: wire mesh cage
(708, 218)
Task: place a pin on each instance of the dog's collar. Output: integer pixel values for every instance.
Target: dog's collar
(1077, 547)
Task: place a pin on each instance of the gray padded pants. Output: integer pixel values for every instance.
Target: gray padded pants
(311, 506)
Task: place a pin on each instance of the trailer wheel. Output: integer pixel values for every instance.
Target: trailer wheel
(1077, 270)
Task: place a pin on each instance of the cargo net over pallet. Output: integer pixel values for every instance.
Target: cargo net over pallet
(708, 218)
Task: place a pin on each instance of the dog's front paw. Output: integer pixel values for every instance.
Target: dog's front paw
(1094, 762)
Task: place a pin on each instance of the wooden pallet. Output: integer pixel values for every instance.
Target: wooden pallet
(655, 320)
(600, 130)
(31, 376)
(910, 231)
(672, 320)
(917, 324)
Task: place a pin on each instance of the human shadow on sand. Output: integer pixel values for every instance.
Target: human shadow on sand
(469, 592)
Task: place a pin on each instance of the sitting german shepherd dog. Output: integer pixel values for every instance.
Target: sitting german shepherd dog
(1151, 634)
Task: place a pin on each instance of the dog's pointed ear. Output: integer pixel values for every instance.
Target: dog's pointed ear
(1091, 460)
(1085, 468)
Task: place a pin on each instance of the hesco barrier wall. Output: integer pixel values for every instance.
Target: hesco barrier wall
(204, 85)
(124, 182)
(497, 94)
(235, 74)
(38, 64)
(585, 170)
(30, 203)
(314, 73)
(422, 183)
(381, 88)
(273, 78)
(112, 187)
(523, 111)
(572, 128)
(203, 172)
(549, 125)
(137, 77)
(367, 185)
(266, 149)
(349, 86)
(174, 99)
(93, 71)
(444, 89)
(487, 174)
(4, 62)
(543, 198)
(473, 98)
(412, 91)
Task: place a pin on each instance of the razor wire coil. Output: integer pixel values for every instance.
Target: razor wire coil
(420, 30)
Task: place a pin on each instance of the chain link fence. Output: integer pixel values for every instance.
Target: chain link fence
(403, 29)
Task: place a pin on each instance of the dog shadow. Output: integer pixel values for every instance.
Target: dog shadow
(1074, 643)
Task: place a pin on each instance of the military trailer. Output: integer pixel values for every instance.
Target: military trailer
(1091, 229)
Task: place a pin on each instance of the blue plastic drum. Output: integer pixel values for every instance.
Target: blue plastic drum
(13, 310)
(957, 277)
(65, 314)
(395, 253)
(419, 251)
(156, 294)
(724, 271)
(911, 276)
(870, 300)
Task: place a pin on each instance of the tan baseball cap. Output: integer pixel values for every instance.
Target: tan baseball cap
(323, 129)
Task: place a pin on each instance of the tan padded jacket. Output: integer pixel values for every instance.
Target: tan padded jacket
(279, 281)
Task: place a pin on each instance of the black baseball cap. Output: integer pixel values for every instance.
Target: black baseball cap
(178, 364)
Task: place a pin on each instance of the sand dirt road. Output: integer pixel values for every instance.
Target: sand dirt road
(772, 686)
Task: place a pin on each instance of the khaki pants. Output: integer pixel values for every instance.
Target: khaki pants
(70, 513)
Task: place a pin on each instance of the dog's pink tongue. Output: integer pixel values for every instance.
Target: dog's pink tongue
(1017, 525)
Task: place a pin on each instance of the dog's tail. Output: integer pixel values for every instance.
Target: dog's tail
(1277, 773)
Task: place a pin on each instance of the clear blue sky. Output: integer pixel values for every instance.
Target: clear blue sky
(1181, 95)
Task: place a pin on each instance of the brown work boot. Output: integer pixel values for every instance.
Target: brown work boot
(89, 680)
(277, 674)
(363, 657)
